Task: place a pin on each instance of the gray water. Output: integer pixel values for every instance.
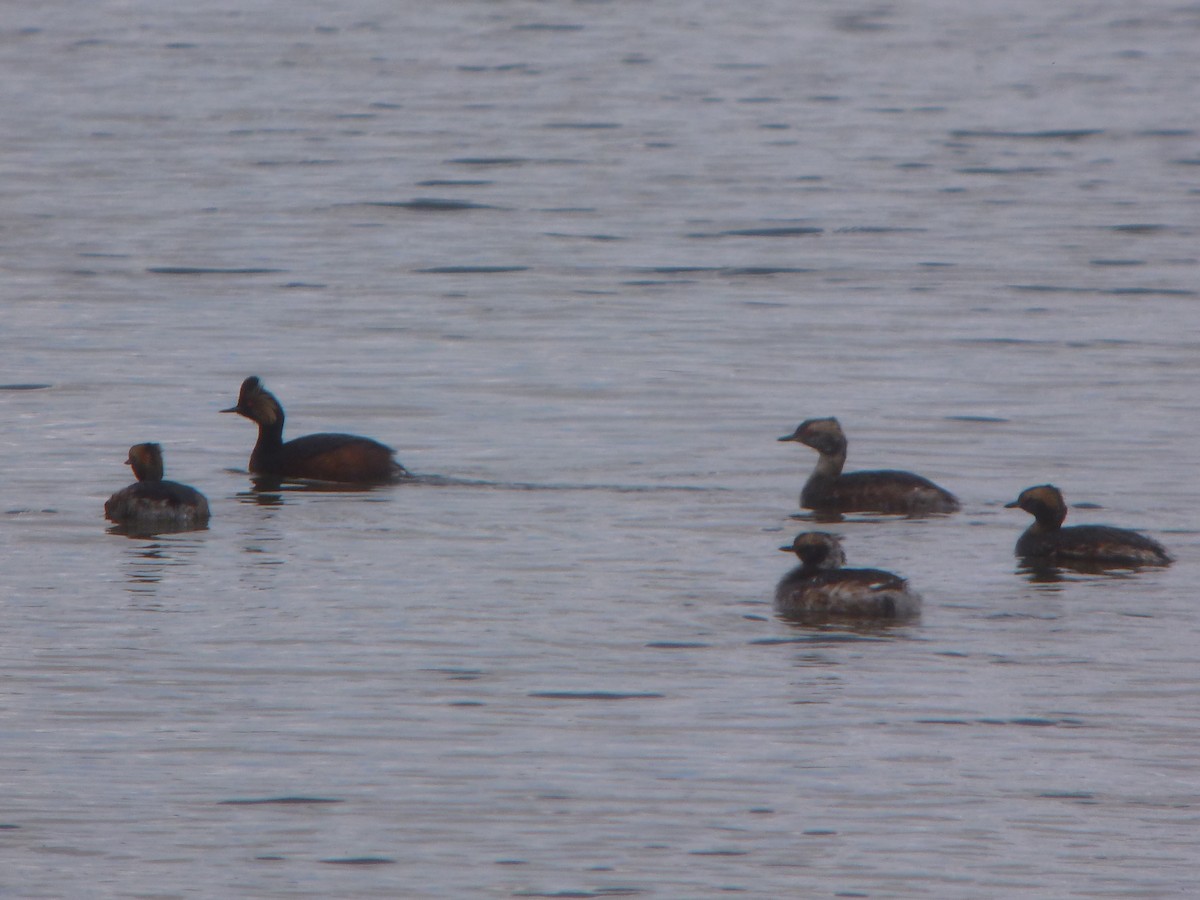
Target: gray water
(598, 255)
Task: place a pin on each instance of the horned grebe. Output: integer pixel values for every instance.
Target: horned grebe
(1048, 541)
(884, 490)
(318, 457)
(151, 503)
(820, 588)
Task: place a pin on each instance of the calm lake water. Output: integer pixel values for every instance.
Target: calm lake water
(597, 256)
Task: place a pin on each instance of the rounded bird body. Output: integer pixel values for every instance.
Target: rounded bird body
(819, 588)
(152, 503)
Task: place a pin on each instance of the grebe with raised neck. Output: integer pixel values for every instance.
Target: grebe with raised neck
(882, 491)
(325, 456)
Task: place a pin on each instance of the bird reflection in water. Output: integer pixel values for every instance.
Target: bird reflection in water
(147, 564)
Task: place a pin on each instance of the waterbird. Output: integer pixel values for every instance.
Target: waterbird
(820, 588)
(1047, 541)
(152, 503)
(830, 490)
(346, 458)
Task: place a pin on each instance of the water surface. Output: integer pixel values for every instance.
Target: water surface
(598, 256)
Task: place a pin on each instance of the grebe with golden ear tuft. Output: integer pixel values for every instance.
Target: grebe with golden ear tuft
(1047, 540)
(345, 458)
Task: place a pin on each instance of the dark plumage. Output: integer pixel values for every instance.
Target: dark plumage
(820, 589)
(318, 457)
(883, 490)
(1047, 540)
(151, 503)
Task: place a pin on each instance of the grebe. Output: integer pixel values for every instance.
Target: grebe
(885, 490)
(150, 502)
(318, 457)
(1046, 539)
(820, 588)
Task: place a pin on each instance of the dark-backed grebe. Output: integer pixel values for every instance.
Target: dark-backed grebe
(1046, 540)
(820, 588)
(885, 490)
(151, 503)
(318, 457)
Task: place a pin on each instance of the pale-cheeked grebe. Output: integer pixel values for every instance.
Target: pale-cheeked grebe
(884, 490)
